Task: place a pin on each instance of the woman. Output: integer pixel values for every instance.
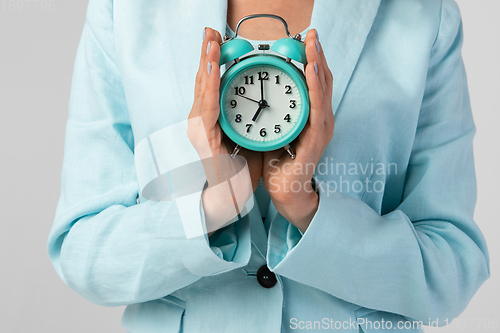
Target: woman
(383, 239)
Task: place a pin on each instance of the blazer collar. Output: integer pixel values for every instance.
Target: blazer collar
(343, 26)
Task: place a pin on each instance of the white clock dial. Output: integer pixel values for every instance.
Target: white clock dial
(262, 119)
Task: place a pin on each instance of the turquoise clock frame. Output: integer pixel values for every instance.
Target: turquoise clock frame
(291, 49)
(268, 60)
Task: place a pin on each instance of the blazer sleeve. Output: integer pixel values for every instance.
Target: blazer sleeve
(103, 244)
(427, 258)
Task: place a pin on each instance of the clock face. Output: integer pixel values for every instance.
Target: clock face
(262, 104)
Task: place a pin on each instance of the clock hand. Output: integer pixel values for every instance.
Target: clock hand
(262, 105)
(253, 100)
(261, 89)
(257, 113)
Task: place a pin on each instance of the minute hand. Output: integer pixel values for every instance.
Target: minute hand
(253, 100)
(261, 89)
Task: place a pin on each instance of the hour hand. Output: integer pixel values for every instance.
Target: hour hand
(262, 106)
(257, 113)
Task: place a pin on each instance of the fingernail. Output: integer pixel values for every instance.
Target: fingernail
(316, 68)
(209, 68)
(204, 33)
(316, 32)
(317, 45)
(208, 47)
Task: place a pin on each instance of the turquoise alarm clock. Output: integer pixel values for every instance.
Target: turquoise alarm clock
(264, 100)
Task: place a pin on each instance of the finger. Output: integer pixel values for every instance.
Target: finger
(212, 81)
(310, 140)
(210, 35)
(202, 59)
(313, 54)
(211, 38)
(210, 108)
(322, 64)
(198, 88)
(218, 36)
(316, 94)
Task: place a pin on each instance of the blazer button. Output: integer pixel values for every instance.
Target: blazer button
(266, 278)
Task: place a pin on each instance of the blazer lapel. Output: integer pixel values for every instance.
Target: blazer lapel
(343, 26)
(181, 24)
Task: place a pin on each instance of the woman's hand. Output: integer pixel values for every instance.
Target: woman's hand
(289, 181)
(206, 136)
(207, 133)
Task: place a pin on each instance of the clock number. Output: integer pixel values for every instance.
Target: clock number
(288, 90)
(287, 118)
(263, 132)
(277, 79)
(238, 118)
(249, 79)
(239, 90)
(277, 129)
(249, 126)
(292, 104)
(263, 75)
(233, 103)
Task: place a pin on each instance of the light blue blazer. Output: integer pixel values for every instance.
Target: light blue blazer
(393, 240)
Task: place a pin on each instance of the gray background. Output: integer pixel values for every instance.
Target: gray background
(37, 50)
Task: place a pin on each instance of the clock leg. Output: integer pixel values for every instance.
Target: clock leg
(235, 152)
(290, 151)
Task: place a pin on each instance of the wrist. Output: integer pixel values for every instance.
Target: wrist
(300, 211)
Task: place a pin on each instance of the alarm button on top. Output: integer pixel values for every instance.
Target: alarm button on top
(266, 278)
